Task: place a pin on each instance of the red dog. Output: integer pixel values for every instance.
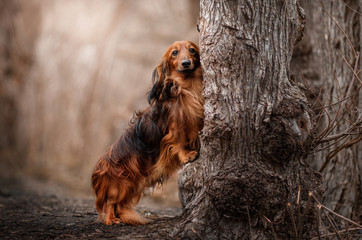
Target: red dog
(160, 139)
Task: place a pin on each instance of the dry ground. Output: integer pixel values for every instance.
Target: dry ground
(44, 212)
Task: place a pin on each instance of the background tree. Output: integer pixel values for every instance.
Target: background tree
(16, 49)
(328, 63)
(257, 126)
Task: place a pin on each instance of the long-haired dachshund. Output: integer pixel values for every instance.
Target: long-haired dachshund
(160, 138)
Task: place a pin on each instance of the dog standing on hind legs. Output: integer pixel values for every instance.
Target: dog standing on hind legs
(160, 139)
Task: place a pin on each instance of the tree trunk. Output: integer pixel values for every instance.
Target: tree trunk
(257, 126)
(322, 60)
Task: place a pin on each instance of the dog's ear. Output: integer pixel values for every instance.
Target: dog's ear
(196, 55)
(158, 77)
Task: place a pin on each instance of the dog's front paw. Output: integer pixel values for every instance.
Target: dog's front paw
(175, 90)
(191, 156)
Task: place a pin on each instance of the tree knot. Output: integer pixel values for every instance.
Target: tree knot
(284, 137)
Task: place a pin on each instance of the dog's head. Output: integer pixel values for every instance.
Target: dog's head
(180, 60)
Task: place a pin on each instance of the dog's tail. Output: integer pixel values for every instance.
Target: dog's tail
(100, 183)
(130, 216)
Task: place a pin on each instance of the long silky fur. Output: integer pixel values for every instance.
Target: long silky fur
(159, 140)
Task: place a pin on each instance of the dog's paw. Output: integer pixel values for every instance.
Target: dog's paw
(191, 156)
(175, 90)
(112, 221)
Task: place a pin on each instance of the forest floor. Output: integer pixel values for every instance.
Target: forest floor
(29, 213)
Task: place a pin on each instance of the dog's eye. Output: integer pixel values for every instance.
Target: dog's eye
(174, 53)
(192, 50)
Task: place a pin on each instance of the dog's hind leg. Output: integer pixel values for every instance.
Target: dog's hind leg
(112, 197)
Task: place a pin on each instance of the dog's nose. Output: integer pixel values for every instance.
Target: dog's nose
(186, 63)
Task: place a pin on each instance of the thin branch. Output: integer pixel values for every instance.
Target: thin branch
(318, 219)
(322, 133)
(308, 204)
(347, 231)
(318, 97)
(347, 132)
(197, 234)
(339, 26)
(338, 102)
(336, 214)
(354, 74)
(300, 217)
(340, 148)
(332, 225)
(293, 221)
(247, 210)
(353, 70)
(328, 146)
(271, 225)
(351, 8)
(341, 231)
(336, 122)
(339, 135)
(332, 125)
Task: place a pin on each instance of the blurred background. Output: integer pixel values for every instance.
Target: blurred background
(71, 75)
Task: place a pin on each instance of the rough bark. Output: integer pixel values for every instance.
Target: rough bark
(257, 126)
(322, 60)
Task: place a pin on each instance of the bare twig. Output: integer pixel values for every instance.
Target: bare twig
(247, 210)
(336, 214)
(347, 231)
(332, 225)
(272, 227)
(308, 204)
(341, 231)
(335, 122)
(351, 8)
(353, 70)
(340, 148)
(342, 134)
(318, 219)
(339, 26)
(318, 96)
(293, 221)
(328, 146)
(300, 219)
(354, 73)
(320, 103)
(197, 234)
(338, 102)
